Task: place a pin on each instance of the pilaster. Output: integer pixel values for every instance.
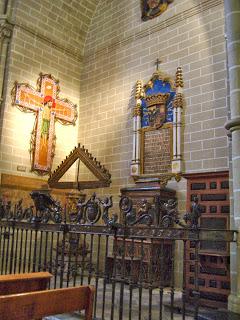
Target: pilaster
(232, 18)
(5, 36)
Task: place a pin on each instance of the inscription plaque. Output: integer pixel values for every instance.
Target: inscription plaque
(213, 209)
(198, 186)
(215, 271)
(213, 283)
(225, 209)
(225, 184)
(225, 285)
(214, 197)
(192, 268)
(157, 151)
(193, 196)
(213, 185)
(213, 223)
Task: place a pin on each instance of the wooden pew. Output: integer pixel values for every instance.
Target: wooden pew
(39, 304)
(24, 282)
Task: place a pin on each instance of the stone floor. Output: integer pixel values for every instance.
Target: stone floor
(204, 314)
(210, 316)
(135, 304)
(219, 315)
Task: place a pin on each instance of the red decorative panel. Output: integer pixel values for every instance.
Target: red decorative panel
(212, 190)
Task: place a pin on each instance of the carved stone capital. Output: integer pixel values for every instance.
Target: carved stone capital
(5, 29)
(233, 124)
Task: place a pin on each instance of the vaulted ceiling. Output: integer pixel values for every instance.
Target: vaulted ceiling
(65, 21)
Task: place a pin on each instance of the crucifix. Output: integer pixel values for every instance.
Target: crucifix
(47, 106)
(158, 63)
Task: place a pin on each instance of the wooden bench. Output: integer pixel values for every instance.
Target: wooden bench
(24, 282)
(39, 304)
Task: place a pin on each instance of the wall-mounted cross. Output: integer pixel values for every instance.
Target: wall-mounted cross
(157, 63)
(48, 107)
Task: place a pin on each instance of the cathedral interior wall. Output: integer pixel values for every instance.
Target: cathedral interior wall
(121, 49)
(47, 38)
(98, 67)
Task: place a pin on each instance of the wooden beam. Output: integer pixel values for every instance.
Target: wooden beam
(79, 185)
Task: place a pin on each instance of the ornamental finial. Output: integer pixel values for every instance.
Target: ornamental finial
(179, 77)
(139, 90)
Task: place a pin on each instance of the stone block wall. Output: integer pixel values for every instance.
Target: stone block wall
(47, 37)
(98, 69)
(120, 49)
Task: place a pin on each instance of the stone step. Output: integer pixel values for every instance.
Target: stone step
(204, 313)
(219, 315)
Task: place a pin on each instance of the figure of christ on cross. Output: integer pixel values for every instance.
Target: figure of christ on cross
(48, 108)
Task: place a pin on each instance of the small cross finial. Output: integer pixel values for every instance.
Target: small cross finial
(158, 63)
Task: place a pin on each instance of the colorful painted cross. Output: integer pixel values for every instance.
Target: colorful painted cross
(48, 108)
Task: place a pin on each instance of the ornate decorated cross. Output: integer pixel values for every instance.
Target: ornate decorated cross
(47, 106)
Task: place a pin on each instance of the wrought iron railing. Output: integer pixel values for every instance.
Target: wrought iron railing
(128, 261)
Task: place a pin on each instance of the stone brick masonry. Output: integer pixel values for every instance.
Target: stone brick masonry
(47, 37)
(98, 68)
(118, 50)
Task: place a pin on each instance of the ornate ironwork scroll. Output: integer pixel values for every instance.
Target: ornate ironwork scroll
(163, 213)
(46, 207)
(5, 29)
(192, 218)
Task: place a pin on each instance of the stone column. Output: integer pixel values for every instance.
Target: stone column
(5, 35)
(177, 123)
(135, 164)
(5, 7)
(232, 16)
